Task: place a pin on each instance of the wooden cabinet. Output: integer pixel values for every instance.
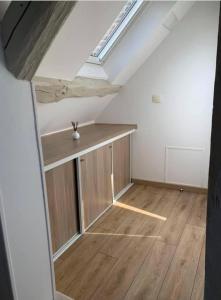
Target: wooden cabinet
(78, 196)
(121, 164)
(103, 171)
(62, 202)
(96, 182)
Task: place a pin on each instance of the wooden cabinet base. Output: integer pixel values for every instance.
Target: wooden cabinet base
(79, 195)
(62, 202)
(96, 183)
(121, 164)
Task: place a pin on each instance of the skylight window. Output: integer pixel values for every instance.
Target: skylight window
(114, 32)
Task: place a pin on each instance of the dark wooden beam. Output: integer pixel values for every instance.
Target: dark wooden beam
(28, 28)
(213, 233)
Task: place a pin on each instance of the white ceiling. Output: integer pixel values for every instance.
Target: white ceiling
(150, 28)
(86, 25)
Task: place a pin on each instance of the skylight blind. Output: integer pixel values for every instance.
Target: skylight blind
(115, 31)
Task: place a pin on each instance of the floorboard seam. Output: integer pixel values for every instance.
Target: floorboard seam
(171, 261)
(148, 253)
(197, 269)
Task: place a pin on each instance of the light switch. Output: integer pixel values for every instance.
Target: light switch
(155, 98)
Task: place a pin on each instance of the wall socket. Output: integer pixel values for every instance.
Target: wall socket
(156, 99)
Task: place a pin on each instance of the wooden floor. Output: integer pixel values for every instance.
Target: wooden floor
(150, 245)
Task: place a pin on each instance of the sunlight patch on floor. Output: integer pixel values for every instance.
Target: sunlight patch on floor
(122, 234)
(141, 211)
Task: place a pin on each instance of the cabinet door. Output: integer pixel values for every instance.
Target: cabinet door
(96, 183)
(62, 202)
(121, 164)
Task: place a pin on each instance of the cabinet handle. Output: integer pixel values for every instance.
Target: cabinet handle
(82, 159)
(110, 147)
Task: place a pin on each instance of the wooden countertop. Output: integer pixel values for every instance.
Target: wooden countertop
(60, 147)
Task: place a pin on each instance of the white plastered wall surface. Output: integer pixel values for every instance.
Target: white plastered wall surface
(177, 130)
(22, 207)
(58, 115)
(72, 46)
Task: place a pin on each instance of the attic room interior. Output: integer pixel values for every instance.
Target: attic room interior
(110, 154)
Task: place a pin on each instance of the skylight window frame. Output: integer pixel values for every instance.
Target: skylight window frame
(116, 35)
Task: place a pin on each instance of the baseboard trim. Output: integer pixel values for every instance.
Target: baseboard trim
(119, 195)
(187, 188)
(69, 243)
(98, 217)
(61, 296)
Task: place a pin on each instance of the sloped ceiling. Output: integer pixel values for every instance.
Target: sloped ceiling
(152, 26)
(78, 37)
(83, 29)
(87, 23)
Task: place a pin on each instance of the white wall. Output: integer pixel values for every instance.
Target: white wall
(58, 115)
(21, 195)
(182, 72)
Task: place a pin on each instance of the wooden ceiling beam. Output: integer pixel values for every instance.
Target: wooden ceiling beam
(53, 90)
(28, 28)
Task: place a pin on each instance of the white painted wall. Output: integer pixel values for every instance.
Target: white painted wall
(21, 194)
(80, 34)
(58, 116)
(182, 72)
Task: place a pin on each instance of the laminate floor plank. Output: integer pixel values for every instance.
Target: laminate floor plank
(130, 261)
(119, 240)
(123, 273)
(111, 220)
(178, 218)
(78, 260)
(167, 203)
(91, 278)
(146, 286)
(135, 225)
(198, 214)
(147, 198)
(78, 255)
(147, 246)
(198, 289)
(180, 277)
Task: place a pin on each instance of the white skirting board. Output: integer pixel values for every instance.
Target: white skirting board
(66, 246)
(98, 217)
(60, 296)
(118, 196)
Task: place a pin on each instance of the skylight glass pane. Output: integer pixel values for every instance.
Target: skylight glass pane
(121, 18)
